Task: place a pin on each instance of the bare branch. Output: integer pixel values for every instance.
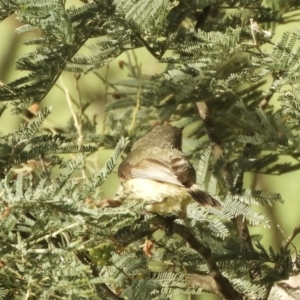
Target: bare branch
(284, 246)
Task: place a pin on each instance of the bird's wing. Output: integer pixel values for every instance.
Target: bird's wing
(179, 171)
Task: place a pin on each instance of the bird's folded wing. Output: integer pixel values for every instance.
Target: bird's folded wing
(180, 172)
(156, 170)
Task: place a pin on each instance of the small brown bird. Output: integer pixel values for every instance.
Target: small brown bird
(157, 171)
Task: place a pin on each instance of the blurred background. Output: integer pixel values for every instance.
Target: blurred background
(92, 89)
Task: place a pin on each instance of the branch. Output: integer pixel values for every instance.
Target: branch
(102, 287)
(284, 249)
(223, 284)
(130, 234)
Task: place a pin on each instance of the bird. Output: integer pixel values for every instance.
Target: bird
(157, 172)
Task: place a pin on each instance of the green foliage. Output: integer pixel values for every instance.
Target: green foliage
(26, 144)
(60, 239)
(46, 223)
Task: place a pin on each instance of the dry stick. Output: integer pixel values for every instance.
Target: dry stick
(76, 116)
(77, 121)
(80, 115)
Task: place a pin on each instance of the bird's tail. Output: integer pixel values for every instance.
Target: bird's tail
(202, 197)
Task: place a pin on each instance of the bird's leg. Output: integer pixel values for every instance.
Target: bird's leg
(169, 220)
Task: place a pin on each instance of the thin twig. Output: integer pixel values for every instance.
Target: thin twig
(253, 25)
(76, 116)
(77, 121)
(138, 96)
(53, 234)
(290, 238)
(105, 100)
(132, 67)
(80, 115)
(105, 81)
